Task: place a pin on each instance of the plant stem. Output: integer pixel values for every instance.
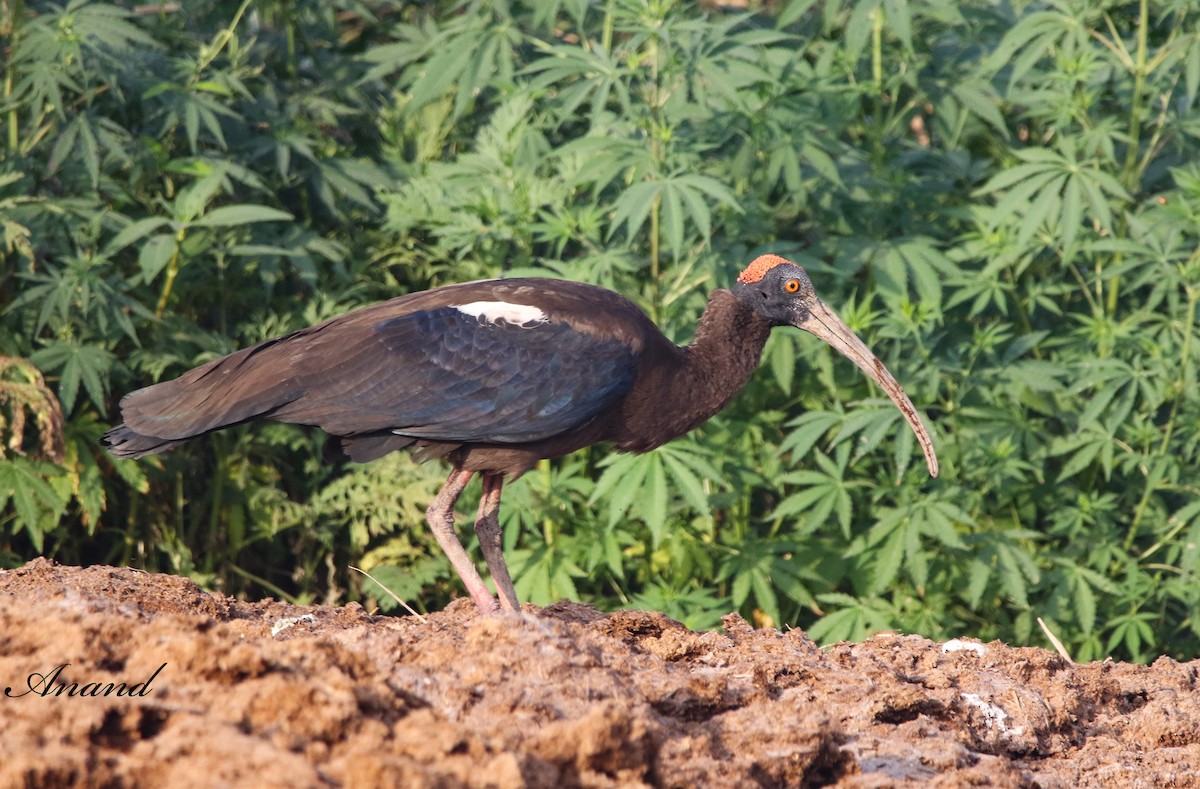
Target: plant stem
(1136, 109)
(655, 266)
(220, 41)
(16, 15)
(657, 154)
(547, 485)
(217, 493)
(877, 78)
(607, 34)
(1193, 293)
(1132, 172)
(172, 272)
(265, 584)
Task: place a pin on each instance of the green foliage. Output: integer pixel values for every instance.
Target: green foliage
(1004, 202)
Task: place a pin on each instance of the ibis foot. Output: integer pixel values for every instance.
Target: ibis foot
(440, 517)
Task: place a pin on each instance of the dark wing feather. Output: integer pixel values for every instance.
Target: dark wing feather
(443, 375)
(413, 365)
(247, 384)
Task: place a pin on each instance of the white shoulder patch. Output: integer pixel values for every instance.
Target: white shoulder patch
(492, 311)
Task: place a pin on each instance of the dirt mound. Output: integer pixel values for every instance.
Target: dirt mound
(163, 684)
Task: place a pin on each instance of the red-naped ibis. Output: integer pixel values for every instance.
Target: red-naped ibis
(494, 376)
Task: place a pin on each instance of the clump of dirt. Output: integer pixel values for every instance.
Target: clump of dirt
(118, 678)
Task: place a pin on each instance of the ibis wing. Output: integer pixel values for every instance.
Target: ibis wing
(445, 375)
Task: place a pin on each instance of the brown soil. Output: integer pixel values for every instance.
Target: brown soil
(559, 696)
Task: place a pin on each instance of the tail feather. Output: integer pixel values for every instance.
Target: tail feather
(123, 442)
(363, 448)
(222, 393)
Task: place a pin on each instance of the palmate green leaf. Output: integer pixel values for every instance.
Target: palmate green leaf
(888, 557)
(673, 218)
(698, 609)
(241, 214)
(88, 492)
(79, 289)
(1101, 381)
(155, 254)
(106, 29)
(134, 231)
(1188, 518)
(899, 21)
(792, 11)
(1136, 632)
(905, 453)
(1084, 448)
(851, 618)
(870, 422)
(339, 180)
(1017, 571)
(26, 484)
(634, 205)
(612, 548)
(979, 573)
(644, 484)
(845, 624)
(196, 196)
(823, 493)
(77, 143)
(1079, 585)
(469, 54)
(620, 481)
(916, 261)
(809, 428)
(61, 48)
(781, 355)
(1035, 36)
(686, 463)
(589, 75)
(77, 363)
(598, 160)
(1113, 402)
(544, 575)
(1054, 188)
(1191, 71)
(760, 565)
(407, 44)
(199, 111)
(652, 500)
(858, 27)
(685, 199)
(725, 63)
(898, 539)
(979, 98)
(941, 519)
(695, 187)
(1001, 553)
(1024, 344)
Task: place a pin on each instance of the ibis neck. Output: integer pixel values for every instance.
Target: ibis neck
(678, 393)
(725, 353)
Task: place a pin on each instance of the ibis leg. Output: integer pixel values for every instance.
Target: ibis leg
(440, 516)
(487, 527)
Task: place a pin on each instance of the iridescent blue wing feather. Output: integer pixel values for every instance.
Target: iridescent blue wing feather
(449, 376)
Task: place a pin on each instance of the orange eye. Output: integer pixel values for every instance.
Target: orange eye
(792, 286)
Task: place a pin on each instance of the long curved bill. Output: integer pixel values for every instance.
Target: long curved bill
(821, 322)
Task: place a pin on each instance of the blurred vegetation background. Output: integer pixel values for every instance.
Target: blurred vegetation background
(1002, 198)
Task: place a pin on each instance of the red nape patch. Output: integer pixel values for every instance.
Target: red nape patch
(759, 267)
